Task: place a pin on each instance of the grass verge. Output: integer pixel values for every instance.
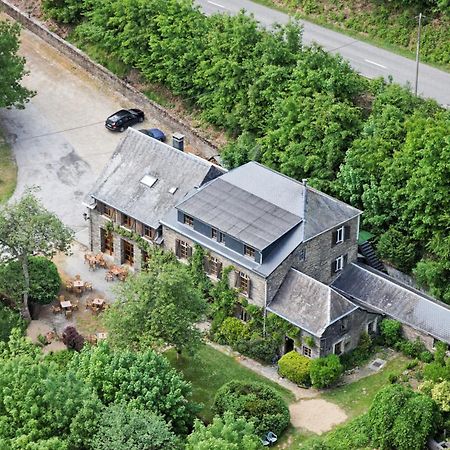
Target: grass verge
(209, 369)
(8, 170)
(356, 398)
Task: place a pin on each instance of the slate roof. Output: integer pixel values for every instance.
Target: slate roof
(257, 206)
(309, 304)
(382, 293)
(138, 155)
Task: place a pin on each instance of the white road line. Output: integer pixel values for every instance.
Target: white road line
(375, 64)
(216, 4)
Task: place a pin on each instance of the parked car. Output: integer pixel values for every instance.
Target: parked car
(155, 133)
(121, 120)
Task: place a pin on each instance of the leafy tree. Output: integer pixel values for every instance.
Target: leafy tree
(12, 93)
(391, 331)
(397, 248)
(241, 151)
(9, 319)
(325, 371)
(225, 433)
(65, 11)
(72, 339)
(121, 428)
(43, 407)
(440, 393)
(141, 380)
(255, 402)
(26, 229)
(157, 307)
(45, 281)
(402, 419)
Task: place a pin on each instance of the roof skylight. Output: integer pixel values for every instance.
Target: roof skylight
(149, 180)
(172, 190)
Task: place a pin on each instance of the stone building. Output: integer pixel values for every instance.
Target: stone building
(293, 249)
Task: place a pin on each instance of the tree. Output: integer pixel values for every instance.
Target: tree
(140, 380)
(12, 93)
(9, 319)
(225, 433)
(27, 229)
(72, 339)
(45, 281)
(121, 428)
(157, 307)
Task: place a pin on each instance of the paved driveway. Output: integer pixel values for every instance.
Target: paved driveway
(59, 140)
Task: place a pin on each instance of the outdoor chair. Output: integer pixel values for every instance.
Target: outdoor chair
(61, 298)
(77, 277)
(86, 258)
(68, 313)
(88, 285)
(271, 437)
(264, 442)
(78, 291)
(75, 305)
(69, 286)
(88, 304)
(109, 276)
(56, 309)
(92, 265)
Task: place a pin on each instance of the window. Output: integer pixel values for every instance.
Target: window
(221, 238)
(149, 232)
(337, 348)
(243, 283)
(340, 235)
(107, 242)
(242, 314)
(372, 327)
(338, 264)
(128, 252)
(188, 220)
(249, 251)
(213, 233)
(127, 221)
(344, 324)
(302, 255)
(182, 249)
(214, 267)
(108, 211)
(306, 351)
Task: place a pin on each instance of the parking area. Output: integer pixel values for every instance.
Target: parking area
(59, 140)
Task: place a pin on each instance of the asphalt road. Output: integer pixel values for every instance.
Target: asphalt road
(59, 140)
(367, 59)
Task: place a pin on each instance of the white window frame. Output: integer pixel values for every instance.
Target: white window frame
(339, 263)
(372, 326)
(306, 350)
(341, 344)
(340, 235)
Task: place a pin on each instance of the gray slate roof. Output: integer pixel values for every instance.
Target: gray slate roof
(309, 304)
(138, 155)
(384, 294)
(239, 213)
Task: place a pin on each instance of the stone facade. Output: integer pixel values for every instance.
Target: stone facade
(411, 334)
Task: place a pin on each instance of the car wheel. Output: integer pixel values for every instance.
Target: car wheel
(121, 129)
(141, 119)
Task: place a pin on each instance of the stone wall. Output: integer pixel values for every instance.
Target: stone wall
(206, 148)
(258, 283)
(319, 253)
(411, 334)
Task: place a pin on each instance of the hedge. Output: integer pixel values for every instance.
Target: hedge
(295, 367)
(325, 371)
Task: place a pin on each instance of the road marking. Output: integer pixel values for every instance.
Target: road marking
(375, 64)
(216, 4)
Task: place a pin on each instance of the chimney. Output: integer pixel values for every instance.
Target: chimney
(178, 141)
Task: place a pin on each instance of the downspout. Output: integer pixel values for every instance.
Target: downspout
(305, 199)
(265, 308)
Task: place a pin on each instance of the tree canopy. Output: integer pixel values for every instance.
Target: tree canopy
(12, 93)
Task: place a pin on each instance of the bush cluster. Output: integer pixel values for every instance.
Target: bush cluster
(9, 319)
(391, 331)
(72, 339)
(295, 367)
(325, 371)
(255, 402)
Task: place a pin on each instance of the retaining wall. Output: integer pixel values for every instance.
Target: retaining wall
(205, 147)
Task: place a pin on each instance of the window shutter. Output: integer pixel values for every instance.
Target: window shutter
(345, 260)
(177, 248)
(139, 228)
(249, 293)
(346, 232)
(206, 263)
(333, 267)
(237, 279)
(118, 216)
(333, 238)
(219, 270)
(189, 251)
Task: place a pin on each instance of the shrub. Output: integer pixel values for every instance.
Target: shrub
(295, 367)
(411, 348)
(9, 319)
(439, 354)
(254, 402)
(426, 356)
(232, 331)
(325, 371)
(392, 378)
(412, 364)
(435, 372)
(359, 355)
(72, 339)
(391, 331)
(45, 281)
(262, 349)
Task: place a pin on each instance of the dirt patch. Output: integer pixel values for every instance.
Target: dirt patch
(316, 415)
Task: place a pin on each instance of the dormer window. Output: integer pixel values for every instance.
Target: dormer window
(213, 233)
(221, 238)
(188, 220)
(127, 221)
(148, 232)
(249, 251)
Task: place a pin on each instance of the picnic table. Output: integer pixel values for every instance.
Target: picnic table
(65, 304)
(98, 301)
(78, 283)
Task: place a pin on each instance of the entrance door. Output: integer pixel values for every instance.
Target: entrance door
(107, 242)
(288, 344)
(128, 252)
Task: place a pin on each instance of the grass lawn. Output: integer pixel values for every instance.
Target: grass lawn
(209, 369)
(355, 398)
(8, 171)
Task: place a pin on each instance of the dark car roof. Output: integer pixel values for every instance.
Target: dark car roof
(119, 114)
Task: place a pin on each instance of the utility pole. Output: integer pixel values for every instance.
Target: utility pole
(417, 52)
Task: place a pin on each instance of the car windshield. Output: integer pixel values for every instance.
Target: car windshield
(118, 115)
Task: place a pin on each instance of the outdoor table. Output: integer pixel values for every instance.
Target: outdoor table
(98, 301)
(66, 304)
(116, 270)
(78, 283)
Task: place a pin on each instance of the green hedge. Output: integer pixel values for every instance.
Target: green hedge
(295, 367)
(254, 402)
(325, 371)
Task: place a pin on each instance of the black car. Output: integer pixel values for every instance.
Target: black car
(155, 133)
(121, 120)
